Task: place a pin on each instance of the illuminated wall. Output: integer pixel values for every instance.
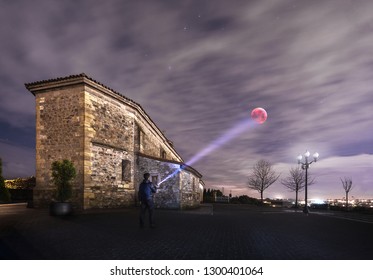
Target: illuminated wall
(181, 190)
(111, 141)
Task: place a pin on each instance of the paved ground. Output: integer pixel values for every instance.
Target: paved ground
(212, 232)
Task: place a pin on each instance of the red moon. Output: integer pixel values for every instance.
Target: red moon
(259, 115)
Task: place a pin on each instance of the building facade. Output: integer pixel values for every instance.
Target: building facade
(111, 141)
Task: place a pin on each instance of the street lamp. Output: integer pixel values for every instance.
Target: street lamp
(305, 165)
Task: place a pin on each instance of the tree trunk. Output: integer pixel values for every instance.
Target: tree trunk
(347, 201)
(296, 199)
(261, 196)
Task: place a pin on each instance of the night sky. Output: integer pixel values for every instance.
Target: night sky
(198, 68)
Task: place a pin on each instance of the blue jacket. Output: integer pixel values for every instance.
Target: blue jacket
(145, 190)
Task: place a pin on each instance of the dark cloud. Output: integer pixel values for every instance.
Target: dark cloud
(217, 24)
(199, 67)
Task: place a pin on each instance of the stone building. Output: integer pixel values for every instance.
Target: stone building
(111, 141)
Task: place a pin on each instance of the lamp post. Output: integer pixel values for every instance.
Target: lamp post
(305, 165)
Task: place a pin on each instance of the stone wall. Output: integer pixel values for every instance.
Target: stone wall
(147, 142)
(168, 193)
(190, 190)
(110, 146)
(112, 181)
(59, 135)
(111, 121)
(181, 190)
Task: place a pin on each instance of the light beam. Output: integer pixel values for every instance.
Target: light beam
(230, 134)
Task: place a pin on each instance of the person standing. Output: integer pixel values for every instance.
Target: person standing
(146, 190)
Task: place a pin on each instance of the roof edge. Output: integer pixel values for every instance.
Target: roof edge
(83, 78)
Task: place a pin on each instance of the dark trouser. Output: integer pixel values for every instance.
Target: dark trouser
(146, 205)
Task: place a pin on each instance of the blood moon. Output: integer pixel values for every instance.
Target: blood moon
(259, 115)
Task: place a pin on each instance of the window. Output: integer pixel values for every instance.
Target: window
(163, 153)
(126, 170)
(140, 139)
(155, 179)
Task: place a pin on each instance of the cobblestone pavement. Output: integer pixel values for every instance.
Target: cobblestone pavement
(211, 232)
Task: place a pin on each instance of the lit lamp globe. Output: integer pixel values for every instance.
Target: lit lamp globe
(307, 154)
(299, 158)
(315, 156)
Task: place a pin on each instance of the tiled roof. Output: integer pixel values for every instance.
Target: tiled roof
(81, 75)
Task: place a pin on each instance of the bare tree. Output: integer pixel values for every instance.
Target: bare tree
(262, 177)
(347, 186)
(295, 182)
